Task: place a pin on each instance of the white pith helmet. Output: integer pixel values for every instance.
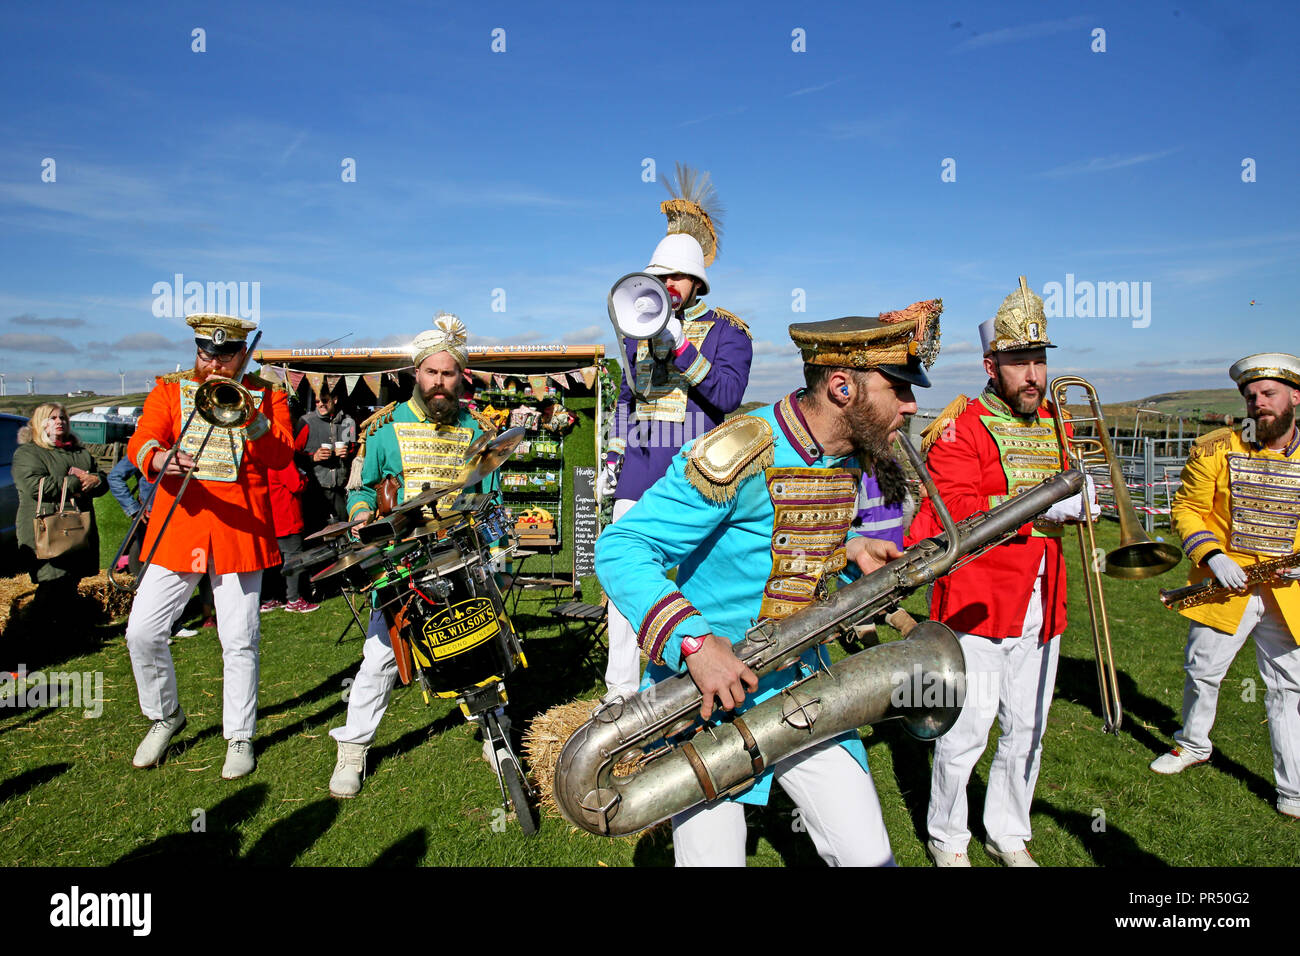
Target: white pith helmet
(679, 253)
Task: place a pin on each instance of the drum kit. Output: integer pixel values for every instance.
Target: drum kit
(427, 567)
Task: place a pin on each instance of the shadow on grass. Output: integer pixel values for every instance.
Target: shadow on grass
(408, 851)
(41, 647)
(286, 840)
(1112, 847)
(413, 738)
(30, 780)
(215, 844)
(911, 762)
(39, 712)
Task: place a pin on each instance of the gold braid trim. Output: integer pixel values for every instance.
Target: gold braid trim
(946, 417)
(367, 428)
(733, 319)
(177, 376)
(719, 462)
(256, 381)
(1210, 443)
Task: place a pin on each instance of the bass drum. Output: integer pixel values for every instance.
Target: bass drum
(457, 626)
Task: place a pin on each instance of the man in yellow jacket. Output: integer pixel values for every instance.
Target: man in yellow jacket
(1239, 505)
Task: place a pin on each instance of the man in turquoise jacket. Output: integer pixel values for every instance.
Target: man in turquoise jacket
(756, 515)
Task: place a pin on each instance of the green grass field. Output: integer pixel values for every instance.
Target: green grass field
(68, 794)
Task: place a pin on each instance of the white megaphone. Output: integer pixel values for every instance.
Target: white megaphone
(639, 308)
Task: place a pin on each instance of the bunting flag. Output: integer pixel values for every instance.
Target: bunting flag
(394, 377)
(498, 380)
(576, 377)
(559, 378)
(350, 382)
(331, 381)
(295, 378)
(537, 383)
(588, 375)
(483, 378)
(272, 374)
(315, 380)
(372, 383)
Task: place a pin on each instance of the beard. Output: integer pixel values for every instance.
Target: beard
(868, 430)
(443, 408)
(1026, 406)
(1277, 426)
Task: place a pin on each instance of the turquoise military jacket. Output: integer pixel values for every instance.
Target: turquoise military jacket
(737, 554)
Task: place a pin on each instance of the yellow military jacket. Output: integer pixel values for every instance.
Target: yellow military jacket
(1243, 500)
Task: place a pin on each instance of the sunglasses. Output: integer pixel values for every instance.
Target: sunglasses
(220, 352)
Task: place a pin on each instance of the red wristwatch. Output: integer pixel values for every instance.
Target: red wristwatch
(690, 645)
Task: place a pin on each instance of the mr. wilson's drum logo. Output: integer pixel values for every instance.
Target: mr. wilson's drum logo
(461, 627)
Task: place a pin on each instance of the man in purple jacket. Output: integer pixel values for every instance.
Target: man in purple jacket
(685, 382)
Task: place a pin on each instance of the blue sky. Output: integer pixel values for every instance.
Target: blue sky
(522, 170)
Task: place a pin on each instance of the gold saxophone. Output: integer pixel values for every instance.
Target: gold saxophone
(1211, 590)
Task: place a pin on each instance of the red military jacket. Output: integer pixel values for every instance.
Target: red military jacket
(224, 520)
(989, 595)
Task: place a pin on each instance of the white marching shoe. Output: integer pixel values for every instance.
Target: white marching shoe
(349, 771)
(239, 760)
(1176, 761)
(153, 748)
(1019, 857)
(944, 857)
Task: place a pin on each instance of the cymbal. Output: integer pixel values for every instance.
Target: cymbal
(332, 529)
(494, 454)
(305, 559)
(427, 498)
(348, 560)
(435, 527)
(394, 553)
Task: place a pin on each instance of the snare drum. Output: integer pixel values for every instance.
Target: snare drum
(456, 624)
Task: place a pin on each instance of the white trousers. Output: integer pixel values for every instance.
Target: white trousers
(837, 805)
(160, 597)
(623, 672)
(1011, 679)
(1210, 653)
(370, 692)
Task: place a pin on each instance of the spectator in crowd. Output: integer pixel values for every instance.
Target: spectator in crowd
(330, 444)
(48, 461)
(286, 485)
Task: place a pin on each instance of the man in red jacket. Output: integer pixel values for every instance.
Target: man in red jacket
(287, 486)
(221, 529)
(1008, 606)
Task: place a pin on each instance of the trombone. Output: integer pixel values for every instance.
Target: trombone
(1137, 556)
(222, 403)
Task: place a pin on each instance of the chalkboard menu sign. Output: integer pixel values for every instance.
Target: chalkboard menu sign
(586, 526)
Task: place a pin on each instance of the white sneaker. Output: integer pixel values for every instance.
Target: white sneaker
(348, 771)
(1176, 761)
(1019, 857)
(239, 760)
(186, 632)
(1288, 808)
(944, 858)
(153, 748)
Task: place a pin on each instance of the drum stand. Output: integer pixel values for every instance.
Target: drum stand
(356, 619)
(485, 710)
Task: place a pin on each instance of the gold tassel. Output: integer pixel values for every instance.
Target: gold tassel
(734, 320)
(946, 417)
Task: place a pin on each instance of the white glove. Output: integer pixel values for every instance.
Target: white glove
(1227, 571)
(1291, 574)
(673, 333)
(1071, 509)
(607, 482)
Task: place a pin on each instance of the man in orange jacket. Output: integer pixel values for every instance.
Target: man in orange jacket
(222, 528)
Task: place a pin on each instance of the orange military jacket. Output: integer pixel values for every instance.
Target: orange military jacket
(223, 525)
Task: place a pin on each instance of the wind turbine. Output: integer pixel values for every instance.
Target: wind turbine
(31, 386)
(2, 384)
(122, 375)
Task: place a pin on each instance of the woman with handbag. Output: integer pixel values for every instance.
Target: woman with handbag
(56, 477)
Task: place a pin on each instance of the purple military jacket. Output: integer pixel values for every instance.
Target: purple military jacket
(707, 380)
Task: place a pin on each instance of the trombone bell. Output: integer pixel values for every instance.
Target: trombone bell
(224, 403)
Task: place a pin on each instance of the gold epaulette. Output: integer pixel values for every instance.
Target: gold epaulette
(723, 458)
(484, 422)
(1211, 442)
(176, 376)
(376, 421)
(945, 418)
(733, 319)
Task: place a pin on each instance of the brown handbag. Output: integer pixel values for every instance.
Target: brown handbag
(64, 531)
